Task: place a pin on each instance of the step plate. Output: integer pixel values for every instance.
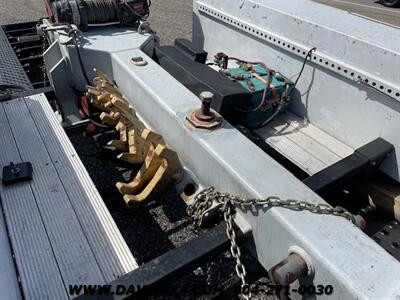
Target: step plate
(304, 144)
(60, 230)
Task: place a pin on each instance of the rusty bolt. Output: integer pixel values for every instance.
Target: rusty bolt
(205, 117)
(205, 112)
(289, 270)
(360, 222)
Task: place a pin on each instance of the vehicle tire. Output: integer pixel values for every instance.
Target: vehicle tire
(391, 3)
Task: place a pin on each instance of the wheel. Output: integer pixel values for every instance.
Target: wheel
(391, 3)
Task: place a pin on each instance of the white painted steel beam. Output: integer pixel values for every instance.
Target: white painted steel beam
(343, 256)
(351, 88)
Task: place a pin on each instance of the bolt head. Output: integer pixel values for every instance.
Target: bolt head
(206, 96)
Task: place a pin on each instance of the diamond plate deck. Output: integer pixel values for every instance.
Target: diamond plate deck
(11, 72)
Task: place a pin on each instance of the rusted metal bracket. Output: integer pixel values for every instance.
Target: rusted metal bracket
(138, 144)
(122, 143)
(161, 168)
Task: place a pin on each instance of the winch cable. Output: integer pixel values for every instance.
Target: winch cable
(100, 11)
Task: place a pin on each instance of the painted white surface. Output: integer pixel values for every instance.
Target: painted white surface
(342, 255)
(350, 112)
(304, 144)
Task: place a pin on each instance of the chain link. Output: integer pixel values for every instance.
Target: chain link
(227, 205)
(44, 48)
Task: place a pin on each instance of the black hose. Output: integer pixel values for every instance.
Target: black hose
(72, 33)
(304, 65)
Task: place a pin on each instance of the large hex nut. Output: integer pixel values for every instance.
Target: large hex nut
(213, 123)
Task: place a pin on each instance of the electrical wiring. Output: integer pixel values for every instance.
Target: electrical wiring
(304, 65)
(282, 102)
(264, 97)
(72, 34)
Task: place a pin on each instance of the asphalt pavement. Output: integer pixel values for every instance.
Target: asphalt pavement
(173, 18)
(169, 18)
(367, 8)
(16, 11)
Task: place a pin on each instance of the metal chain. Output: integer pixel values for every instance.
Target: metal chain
(228, 203)
(211, 269)
(44, 48)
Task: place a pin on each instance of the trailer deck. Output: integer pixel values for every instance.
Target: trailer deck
(60, 229)
(287, 191)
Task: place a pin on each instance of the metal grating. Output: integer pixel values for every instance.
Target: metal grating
(12, 75)
(389, 238)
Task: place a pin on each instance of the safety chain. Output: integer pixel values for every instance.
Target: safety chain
(43, 38)
(228, 203)
(44, 48)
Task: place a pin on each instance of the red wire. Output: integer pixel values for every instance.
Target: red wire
(268, 82)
